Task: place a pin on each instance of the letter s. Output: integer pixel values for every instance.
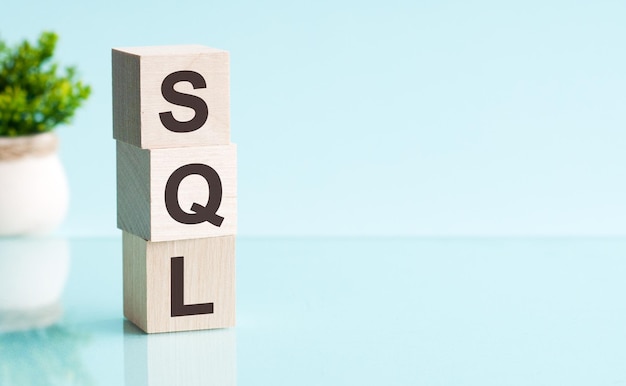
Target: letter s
(186, 100)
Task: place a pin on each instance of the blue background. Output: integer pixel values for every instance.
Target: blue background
(358, 118)
(377, 118)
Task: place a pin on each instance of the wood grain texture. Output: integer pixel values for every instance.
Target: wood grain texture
(126, 97)
(135, 280)
(133, 189)
(138, 73)
(209, 272)
(141, 179)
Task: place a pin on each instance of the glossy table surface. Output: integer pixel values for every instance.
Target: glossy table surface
(354, 311)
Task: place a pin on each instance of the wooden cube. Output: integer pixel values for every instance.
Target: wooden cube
(179, 285)
(171, 96)
(193, 358)
(176, 194)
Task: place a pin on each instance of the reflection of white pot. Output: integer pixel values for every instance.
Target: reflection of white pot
(34, 192)
(33, 272)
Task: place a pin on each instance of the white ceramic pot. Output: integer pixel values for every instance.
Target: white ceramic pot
(33, 185)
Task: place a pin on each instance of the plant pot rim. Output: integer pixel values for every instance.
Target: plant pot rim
(37, 145)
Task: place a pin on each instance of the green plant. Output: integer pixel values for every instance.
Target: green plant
(33, 97)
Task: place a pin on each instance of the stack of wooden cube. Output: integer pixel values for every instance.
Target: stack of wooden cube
(176, 186)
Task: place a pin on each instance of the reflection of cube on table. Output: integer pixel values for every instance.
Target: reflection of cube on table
(202, 358)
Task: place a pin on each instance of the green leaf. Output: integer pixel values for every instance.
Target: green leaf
(34, 97)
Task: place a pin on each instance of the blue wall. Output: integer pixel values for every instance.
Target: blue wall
(366, 118)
